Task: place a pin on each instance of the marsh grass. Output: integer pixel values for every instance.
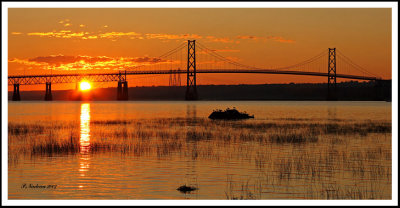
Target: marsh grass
(51, 146)
(315, 159)
(22, 129)
(110, 122)
(243, 190)
(293, 138)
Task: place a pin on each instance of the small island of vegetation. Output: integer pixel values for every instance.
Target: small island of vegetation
(229, 114)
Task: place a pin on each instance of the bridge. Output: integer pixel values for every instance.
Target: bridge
(322, 65)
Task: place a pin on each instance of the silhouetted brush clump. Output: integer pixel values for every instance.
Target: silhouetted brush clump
(185, 189)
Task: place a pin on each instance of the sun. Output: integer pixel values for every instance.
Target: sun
(84, 86)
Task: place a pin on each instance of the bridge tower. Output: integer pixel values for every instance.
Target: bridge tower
(332, 74)
(16, 96)
(48, 96)
(191, 91)
(122, 89)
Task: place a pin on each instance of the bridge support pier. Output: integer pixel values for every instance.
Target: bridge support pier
(122, 90)
(125, 91)
(16, 96)
(48, 96)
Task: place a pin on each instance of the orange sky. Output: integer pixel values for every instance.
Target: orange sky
(104, 40)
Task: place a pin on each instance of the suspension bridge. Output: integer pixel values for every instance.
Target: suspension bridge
(198, 59)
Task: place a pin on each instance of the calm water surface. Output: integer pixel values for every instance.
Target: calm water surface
(116, 175)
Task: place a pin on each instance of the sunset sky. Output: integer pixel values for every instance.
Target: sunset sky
(104, 40)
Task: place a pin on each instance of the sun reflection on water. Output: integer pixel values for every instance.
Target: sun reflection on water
(85, 128)
(84, 139)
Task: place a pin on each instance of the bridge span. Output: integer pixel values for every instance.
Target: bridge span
(191, 72)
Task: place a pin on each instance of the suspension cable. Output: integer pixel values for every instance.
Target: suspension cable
(181, 46)
(213, 53)
(354, 65)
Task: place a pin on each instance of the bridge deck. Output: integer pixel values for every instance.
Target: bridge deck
(109, 77)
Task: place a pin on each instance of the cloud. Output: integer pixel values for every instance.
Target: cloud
(23, 62)
(85, 35)
(57, 60)
(281, 39)
(249, 37)
(113, 35)
(221, 40)
(147, 60)
(65, 22)
(60, 34)
(42, 34)
(172, 36)
(257, 38)
(64, 62)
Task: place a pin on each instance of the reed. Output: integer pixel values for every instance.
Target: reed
(53, 146)
(22, 129)
(293, 138)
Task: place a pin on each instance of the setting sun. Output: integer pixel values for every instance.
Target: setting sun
(85, 86)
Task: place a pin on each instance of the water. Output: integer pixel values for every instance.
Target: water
(152, 148)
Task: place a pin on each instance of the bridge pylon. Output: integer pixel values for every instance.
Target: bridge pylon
(332, 74)
(48, 96)
(191, 91)
(16, 96)
(122, 89)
